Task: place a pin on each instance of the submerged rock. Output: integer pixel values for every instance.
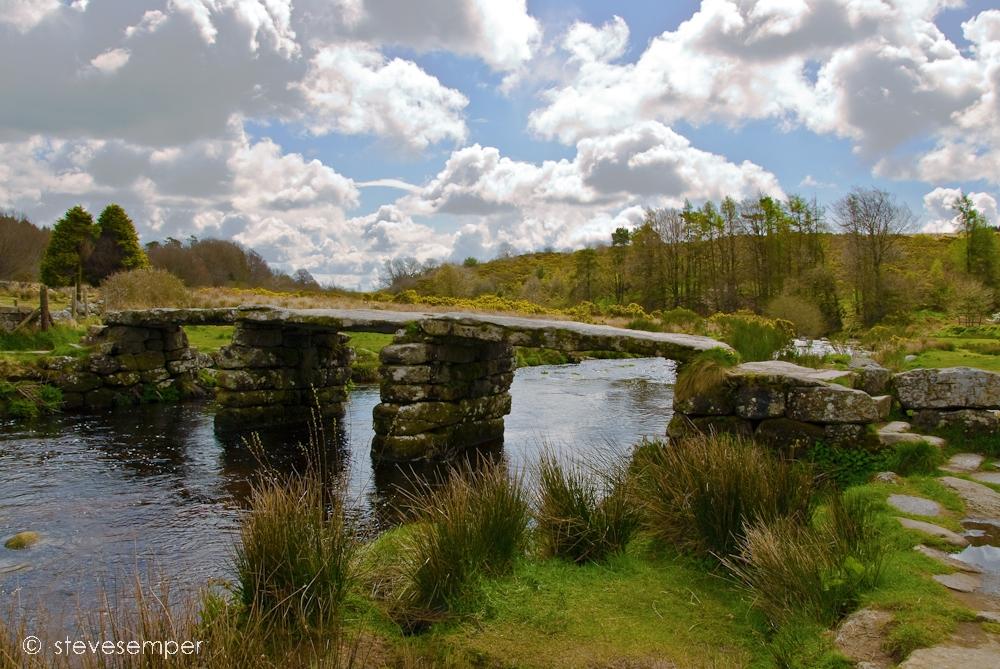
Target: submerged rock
(22, 540)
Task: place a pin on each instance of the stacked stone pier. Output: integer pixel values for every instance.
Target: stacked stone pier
(274, 375)
(441, 395)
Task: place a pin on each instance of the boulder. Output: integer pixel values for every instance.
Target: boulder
(22, 540)
(870, 376)
(830, 403)
(757, 402)
(972, 422)
(950, 388)
(784, 433)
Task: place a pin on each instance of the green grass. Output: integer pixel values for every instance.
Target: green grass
(28, 346)
(958, 358)
(371, 341)
(637, 608)
(209, 338)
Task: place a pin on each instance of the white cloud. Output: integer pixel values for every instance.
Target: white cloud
(939, 213)
(353, 89)
(151, 21)
(110, 61)
(500, 32)
(26, 14)
(877, 72)
(809, 181)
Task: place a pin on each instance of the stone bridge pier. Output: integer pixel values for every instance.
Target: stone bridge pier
(275, 374)
(441, 395)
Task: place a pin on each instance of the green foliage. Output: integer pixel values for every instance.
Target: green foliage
(919, 457)
(27, 400)
(681, 320)
(152, 394)
(532, 357)
(58, 339)
(473, 526)
(803, 314)
(144, 289)
(846, 466)
(753, 336)
(699, 494)
(117, 248)
(584, 515)
(72, 239)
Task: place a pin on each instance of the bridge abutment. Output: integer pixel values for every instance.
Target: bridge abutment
(441, 394)
(275, 374)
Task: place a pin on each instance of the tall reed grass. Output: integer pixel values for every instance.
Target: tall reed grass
(817, 572)
(700, 493)
(584, 514)
(475, 525)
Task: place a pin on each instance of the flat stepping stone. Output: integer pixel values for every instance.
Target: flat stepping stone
(954, 657)
(860, 638)
(947, 559)
(987, 477)
(893, 438)
(960, 581)
(918, 506)
(895, 426)
(961, 463)
(988, 616)
(942, 533)
(979, 500)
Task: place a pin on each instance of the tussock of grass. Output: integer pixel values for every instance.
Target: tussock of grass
(583, 516)
(699, 494)
(795, 570)
(703, 374)
(475, 525)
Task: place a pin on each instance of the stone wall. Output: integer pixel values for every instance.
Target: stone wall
(129, 364)
(11, 317)
(792, 407)
(275, 374)
(441, 394)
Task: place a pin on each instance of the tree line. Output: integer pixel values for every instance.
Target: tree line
(788, 258)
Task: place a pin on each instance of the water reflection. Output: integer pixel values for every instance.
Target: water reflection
(118, 492)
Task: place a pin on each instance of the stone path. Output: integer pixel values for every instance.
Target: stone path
(918, 506)
(933, 530)
(971, 647)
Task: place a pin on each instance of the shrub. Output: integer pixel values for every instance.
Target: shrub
(754, 337)
(644, 323)
(846, 466)
(143, 289)
(681, 319)
(795, 570)
(584, 516)
(805, 315)
(700, 493)
(474, 525)
(294, 563)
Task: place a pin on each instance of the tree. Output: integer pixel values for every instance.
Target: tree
(980, 241)
(71, 242)
(117, 248)
(21, 247)
(304, 280)
(873, 222)
(586, 271)
(620, 239)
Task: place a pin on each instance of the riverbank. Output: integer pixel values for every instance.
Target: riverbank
(651, 605)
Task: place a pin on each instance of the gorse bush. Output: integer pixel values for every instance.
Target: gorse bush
(143, 289)
(700, 493)
(294, 560)
(584, 515)
(818, 572)
(754, 337)
(475, 525)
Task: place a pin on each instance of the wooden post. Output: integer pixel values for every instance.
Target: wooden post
(44, 317)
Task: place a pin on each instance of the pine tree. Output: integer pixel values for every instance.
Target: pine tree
(117, 246)
(71, 242)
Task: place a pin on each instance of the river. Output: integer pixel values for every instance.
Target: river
(152, 487)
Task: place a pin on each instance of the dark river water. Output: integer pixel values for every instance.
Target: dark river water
(153, 487)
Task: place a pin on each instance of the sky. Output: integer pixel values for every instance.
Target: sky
(333, 135)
